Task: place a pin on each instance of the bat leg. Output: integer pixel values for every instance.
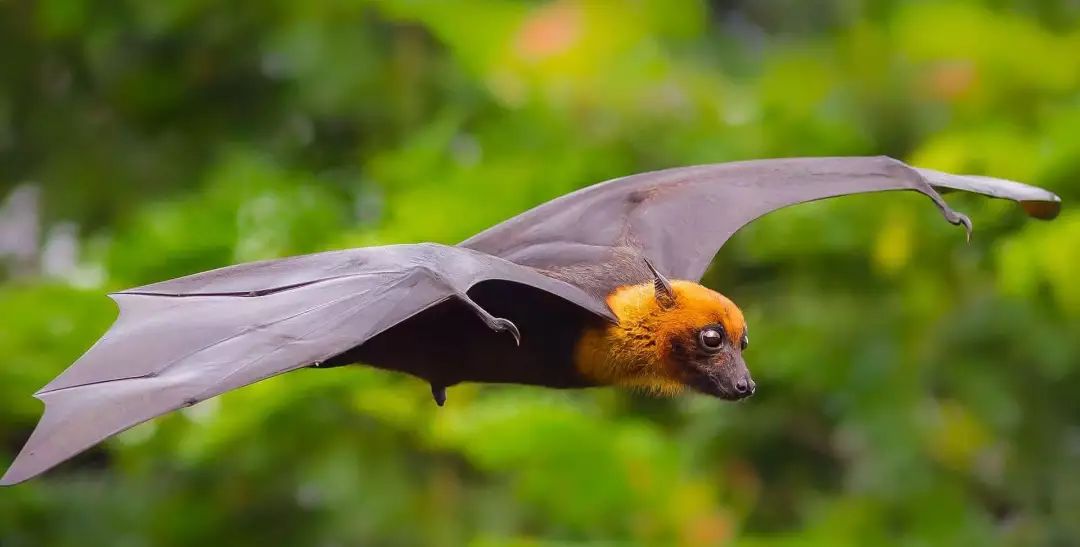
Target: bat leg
(497, 324)
(439, 394)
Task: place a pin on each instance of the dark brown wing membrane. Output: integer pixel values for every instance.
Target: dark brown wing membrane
(680, 217)
(183, 341)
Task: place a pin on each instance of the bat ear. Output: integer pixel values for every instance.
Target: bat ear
(665, 296)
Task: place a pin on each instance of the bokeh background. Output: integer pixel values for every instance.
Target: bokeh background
(914, 390)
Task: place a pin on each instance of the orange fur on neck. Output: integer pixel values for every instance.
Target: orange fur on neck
(635, 353)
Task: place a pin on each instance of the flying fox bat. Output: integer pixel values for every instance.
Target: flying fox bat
(580, 285)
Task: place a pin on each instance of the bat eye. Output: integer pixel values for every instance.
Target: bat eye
(712, 338)
(744, 341)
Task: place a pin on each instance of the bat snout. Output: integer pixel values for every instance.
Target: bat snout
(730, 381)
(737, 387)
(745, 387)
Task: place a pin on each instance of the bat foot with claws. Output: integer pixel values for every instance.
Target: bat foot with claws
(439, 394)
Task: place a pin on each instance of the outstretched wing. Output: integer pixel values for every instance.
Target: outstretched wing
(679, 218)
(179, 342)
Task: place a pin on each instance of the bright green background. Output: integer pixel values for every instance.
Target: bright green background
(913, 389)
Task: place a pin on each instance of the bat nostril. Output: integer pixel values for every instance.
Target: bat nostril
(742, 387)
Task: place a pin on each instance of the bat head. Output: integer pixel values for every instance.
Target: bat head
(671, 336)
(701, 336)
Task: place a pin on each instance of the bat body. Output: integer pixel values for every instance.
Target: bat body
(573, 293)
(446, 345)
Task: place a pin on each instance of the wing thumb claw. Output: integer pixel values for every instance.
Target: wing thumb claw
(963, 220)
(508, 325)
(497, 324)
(953, 217)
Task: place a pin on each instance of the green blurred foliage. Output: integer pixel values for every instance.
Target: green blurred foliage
(914, 390)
